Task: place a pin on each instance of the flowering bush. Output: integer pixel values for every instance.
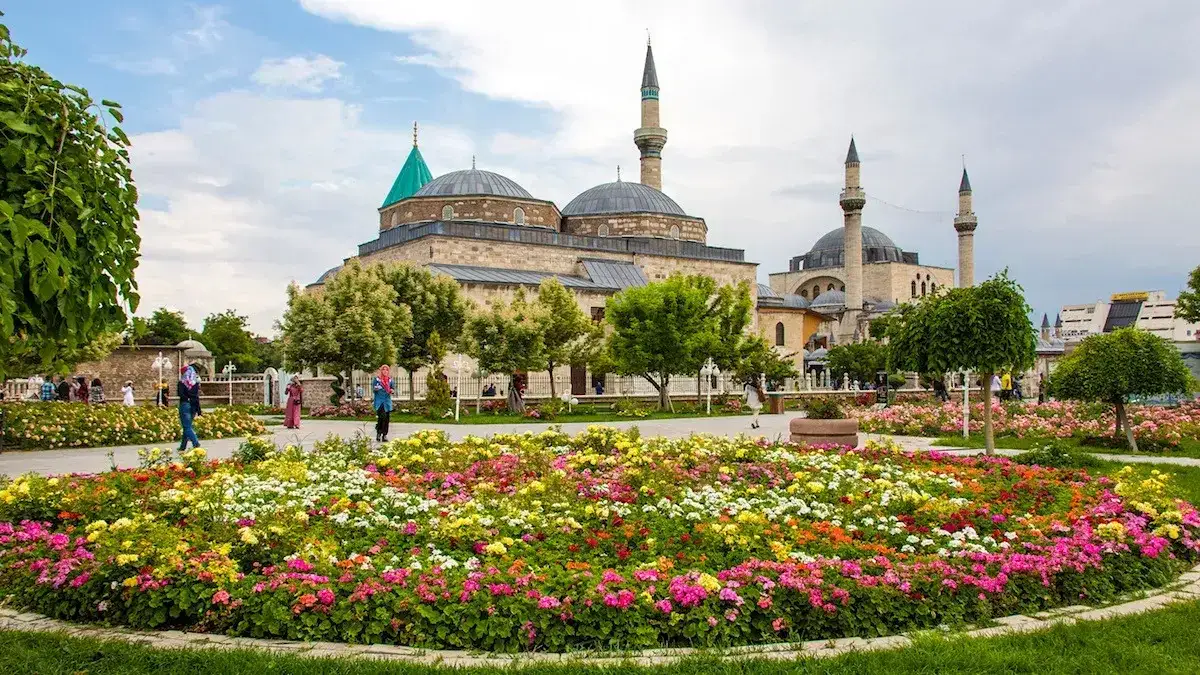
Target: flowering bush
(78, 425)
(547, 542)
(355, 408)
(1157, 427)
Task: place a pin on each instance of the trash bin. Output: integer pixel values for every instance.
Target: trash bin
(777, 402)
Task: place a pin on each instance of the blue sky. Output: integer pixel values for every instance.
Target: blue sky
(266, 132)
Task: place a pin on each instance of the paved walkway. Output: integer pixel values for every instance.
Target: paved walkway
(91, 460)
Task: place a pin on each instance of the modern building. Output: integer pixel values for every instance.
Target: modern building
(1150, 311)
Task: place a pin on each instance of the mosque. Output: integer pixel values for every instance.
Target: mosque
(494, 237)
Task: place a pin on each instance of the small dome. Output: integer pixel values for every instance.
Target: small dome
(829, 301)
(194, 349)
(877, 305)
(472, 182)
(327, 274)
(622, 197)
(829, 249)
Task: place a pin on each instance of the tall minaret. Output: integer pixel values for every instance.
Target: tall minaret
(853, 199)
(965, 223)
(650, 138)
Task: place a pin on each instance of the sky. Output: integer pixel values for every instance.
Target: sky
(266, 133)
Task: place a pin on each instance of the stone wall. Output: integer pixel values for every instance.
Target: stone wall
(135, 364)
(538, 213)
(798, 326)
(637, 225)
(893, 281)
(246, 391)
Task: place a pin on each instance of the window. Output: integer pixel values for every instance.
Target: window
(922, 288)
(816, 292)
(674, 231)
(519, 216)
(830, 288)
(597, 314)
(447, 212)
(914, 289)
(779, 333)
(804, 293)
(843, 288)
(603, 230)
(933, 287)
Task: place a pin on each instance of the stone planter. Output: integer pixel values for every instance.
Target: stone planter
(824, 432)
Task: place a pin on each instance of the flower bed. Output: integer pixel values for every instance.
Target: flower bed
(1156, 427)
(78, 425)
(603, 540)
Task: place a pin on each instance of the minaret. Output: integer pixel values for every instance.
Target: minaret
(1046, 327)
(1058, 326)
(853, 199)
(965, 223)
(650, 137)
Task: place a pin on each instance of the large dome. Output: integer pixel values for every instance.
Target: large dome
(622, 197)
(472, 182)
(829, 251)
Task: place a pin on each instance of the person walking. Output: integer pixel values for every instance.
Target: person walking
(382, 386)
(127, 394)
(96, 392)
(754, 399)
(295, 397)
(188, 391)
(48, 390)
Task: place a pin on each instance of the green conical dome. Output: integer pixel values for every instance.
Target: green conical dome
(412, 177)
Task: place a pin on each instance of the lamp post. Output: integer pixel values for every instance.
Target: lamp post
(229, 370)
(458, 366)
(709, 370)
(967, 403)
(160, 363)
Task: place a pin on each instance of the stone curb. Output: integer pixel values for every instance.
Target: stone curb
(1185, 589)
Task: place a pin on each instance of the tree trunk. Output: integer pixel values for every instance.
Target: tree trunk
(553, 391)
(664, 394)
(1117, 415)
(1123, 421)
(412, 390)
(989, 442)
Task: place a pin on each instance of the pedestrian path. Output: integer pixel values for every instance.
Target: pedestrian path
(774, 427)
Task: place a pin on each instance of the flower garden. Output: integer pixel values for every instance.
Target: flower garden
(604, 540)
(1156, 427)
(78, 425)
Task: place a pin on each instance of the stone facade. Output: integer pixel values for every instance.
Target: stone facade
(246, 391)
(881, 281)
(638, 225)
(492, 209)
(134, 364)
(798, 326)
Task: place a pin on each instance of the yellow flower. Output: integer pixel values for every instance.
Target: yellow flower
(247, 536)
(130, 582)
(126, 558)
(709, 583)
(496, 548)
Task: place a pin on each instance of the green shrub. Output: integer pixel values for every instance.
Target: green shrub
(254, 450)
(824, 408)
(80, 425)
(1058, 456)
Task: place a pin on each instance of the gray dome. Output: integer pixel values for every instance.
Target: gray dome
(622, 197)
(878, 305)
(829, 249)
(472, 182)
(327, 275)
(829, 301)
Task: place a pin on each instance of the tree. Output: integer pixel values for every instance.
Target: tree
(505, 339)
(168, 327)
(662, 328)
(1111, 367)
(758, 357)
(860, 360)
(567, 332)
(437, 389)
(136, 331)
(225, 335)
(1187, 307)
(437, 306)
(354, 324)
(268, 353)
(983, 328)
(68, 218)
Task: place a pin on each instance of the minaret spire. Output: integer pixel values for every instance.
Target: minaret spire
(414, 133)
(965, 223)
(650, 137)
(853, 199)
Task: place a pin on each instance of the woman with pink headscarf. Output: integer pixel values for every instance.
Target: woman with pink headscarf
(382, 385)
(188, 391)
(295, 397)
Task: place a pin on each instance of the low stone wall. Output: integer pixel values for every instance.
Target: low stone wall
(246, 391)
(134, 364)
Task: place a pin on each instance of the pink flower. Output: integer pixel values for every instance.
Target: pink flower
(549, 602)
(664, 606)
(712, 621)
(326, 596)
(779, 624)
(221, 597)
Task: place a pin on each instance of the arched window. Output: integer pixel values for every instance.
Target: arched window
(842, 288)
(830, 287)
(914, 289)
(447, 212)
(933, 287)
(922, 288)
(779, 333)
(603, 230)
(674, 231)
(816, 291)
(519, 216)
(804, 293)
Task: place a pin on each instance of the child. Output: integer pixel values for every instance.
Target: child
(127, 393)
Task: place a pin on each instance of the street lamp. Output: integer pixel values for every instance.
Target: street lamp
(967, 403)
(160, 363)
(458, 366)
(229, 370)
(708, 371)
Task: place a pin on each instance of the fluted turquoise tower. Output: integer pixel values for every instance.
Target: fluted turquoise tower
(412, 177)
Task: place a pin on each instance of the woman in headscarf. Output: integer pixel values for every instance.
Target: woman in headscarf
(382, 385)
(96, 392)
(295, 397)
(188, 391)
(81, 389)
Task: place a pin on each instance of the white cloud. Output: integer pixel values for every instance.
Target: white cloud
(299, 72)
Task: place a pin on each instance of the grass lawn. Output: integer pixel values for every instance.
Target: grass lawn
(1164, 641)
(598, 417)
(1189, 447)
